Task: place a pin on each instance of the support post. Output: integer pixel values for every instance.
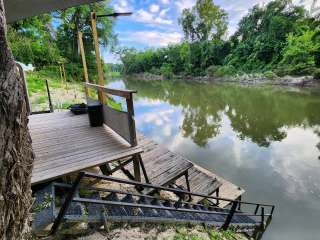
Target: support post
(84, 63)
(186, 175)
(239, 205)
(143, 168)
(136, 169)
(227, 222)
(217, 195)
(66, 204)
(102, 97)
(262, 218)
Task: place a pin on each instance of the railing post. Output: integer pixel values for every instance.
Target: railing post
(66, 204)
(227, 222)
(132, 126)
(49, 96)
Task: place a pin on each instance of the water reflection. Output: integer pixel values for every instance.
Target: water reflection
(262, 138)
(259, 115)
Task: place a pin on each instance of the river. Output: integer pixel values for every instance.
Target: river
(261, 138)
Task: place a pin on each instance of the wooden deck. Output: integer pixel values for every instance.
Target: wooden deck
(164, 166)
(65, 143)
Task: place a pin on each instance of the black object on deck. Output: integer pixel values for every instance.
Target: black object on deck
(95, 114)
(78, 108)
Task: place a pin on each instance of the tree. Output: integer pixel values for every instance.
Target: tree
(262, 35)
(16, 156)
(205, 21)
(78, 19)
(299, 54)
(31, 41)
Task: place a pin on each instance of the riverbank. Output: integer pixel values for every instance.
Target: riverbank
(246, 79)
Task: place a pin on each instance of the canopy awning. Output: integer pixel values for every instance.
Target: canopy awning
(20, 9)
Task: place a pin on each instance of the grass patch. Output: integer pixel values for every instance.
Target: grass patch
(63, 94)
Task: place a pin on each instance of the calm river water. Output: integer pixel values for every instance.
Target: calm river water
(261, 138)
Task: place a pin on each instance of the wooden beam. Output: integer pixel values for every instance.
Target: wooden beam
(84, 62)
(102, 97)
(117, 92)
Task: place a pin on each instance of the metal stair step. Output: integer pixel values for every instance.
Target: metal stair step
(112, 210)
(161, 213)
(131, 211)
(147, 212)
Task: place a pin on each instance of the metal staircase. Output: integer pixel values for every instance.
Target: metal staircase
(84, 202)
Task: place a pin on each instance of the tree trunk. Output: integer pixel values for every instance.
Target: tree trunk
(16, 155)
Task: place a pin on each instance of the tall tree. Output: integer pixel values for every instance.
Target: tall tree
(78, 19)
(205, 21)
(16, 156)
(262, 35)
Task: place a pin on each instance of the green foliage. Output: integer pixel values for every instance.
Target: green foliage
(262, 35)
(277, 38)
(316, 74)
(78, 19)
(166, 70)
(36, 41)
(221, 71)
(205, 21)
(31, 42)
(269, 74)
(227, 70)
(299, 54)
(182, 59)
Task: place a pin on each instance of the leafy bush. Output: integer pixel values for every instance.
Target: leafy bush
(211, 71)
(227, 70)
(166, 71)
(269, 75)
(316, 74)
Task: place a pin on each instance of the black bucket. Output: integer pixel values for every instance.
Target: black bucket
(95, 114)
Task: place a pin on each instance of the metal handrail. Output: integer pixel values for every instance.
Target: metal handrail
(106, 190)
(131, 182)
(229, 215)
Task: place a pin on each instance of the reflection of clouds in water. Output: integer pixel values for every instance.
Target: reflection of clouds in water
(142, 102)
(158, 117)
(295, 160)
(158, 120)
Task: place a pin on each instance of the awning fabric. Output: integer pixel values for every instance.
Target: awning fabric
(20, 9)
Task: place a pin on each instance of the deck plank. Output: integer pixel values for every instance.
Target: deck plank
(64, 143)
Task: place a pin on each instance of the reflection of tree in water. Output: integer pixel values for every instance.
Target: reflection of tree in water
(260, 114)
(200, 126)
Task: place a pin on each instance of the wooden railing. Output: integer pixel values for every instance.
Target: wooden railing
(122, 122)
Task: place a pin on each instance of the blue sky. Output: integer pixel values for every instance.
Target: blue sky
(154, 23)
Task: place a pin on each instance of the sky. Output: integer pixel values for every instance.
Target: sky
(154, 23)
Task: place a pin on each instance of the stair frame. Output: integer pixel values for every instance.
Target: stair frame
(230, 214)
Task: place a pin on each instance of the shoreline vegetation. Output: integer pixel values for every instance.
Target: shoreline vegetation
(245, 79)
(275, 43)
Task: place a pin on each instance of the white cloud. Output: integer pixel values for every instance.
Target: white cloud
(152, 38)
(182, 4)
(154, 8)
(122, 6)
(163, 12)
(147, 17)
(165, 1)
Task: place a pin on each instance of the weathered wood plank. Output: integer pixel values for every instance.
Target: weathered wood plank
(64, 143)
